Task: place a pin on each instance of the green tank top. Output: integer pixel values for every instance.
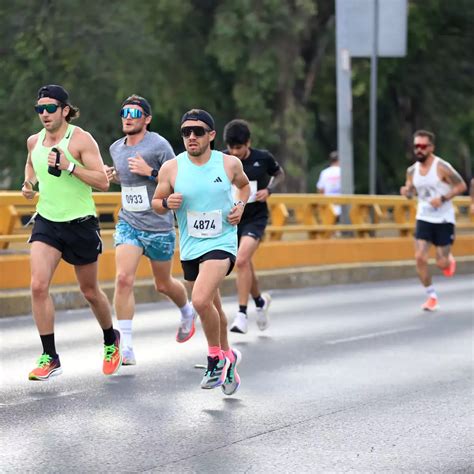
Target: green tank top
(62, 198)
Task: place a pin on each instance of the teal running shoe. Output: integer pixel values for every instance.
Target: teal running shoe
(216, 372)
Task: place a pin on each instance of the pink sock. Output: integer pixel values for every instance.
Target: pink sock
(230, 355)
(215, 351)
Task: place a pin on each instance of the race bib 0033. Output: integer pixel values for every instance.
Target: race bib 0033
(204, 224)
(135, 199)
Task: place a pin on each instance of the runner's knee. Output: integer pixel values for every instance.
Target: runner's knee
(39, 288)
(125, 281)
(163, 286)
(91, 293)
(421, 258)
(201, 305)
(242, 262)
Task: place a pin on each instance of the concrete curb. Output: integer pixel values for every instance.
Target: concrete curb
(14, 303)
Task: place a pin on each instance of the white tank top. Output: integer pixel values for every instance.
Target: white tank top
(428, 187)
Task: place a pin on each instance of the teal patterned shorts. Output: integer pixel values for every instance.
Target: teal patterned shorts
(155, 245)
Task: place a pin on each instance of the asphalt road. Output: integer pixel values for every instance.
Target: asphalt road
(347, 378)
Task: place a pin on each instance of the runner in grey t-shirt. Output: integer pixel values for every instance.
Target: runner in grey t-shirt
(137, 188)
(137, 158)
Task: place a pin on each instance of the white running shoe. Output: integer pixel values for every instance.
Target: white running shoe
(186, 328)
(262, 313)
(240, 323)
(128, 356)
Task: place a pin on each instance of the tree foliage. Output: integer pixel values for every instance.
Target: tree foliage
(268, 61)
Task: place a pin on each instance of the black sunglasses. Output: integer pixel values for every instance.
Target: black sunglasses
(197, 130)
(50, 108)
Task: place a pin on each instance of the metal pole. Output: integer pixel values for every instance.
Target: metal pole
(373, 104)
(344, 105)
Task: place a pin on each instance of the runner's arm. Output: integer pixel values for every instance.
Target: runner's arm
(453, 178)
(240, 180)
(409, 189)
(164, 198)
(92, 172)
(30, 175)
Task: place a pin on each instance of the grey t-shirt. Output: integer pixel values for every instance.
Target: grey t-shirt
(137, 191)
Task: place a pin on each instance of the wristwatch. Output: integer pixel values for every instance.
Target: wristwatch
(239, 202)
(154, 173)
(71, 167)
(444, 199)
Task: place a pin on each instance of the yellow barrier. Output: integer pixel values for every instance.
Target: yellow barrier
(303, 232)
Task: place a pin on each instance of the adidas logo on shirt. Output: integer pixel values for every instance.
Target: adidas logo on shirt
(256, 163)
(218, 180)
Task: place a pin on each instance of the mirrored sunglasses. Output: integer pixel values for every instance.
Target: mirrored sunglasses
(134, 113)
(50, 108)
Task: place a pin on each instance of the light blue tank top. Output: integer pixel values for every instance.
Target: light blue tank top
(207, 201)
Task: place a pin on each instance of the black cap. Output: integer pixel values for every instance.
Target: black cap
(54, 92)
(138, 100)
(199, 114)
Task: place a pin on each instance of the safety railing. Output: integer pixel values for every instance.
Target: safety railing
(314, 216)
(292, 216)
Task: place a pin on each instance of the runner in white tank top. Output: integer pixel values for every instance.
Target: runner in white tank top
(435, 182)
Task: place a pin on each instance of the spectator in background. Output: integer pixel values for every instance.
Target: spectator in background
(329, 181)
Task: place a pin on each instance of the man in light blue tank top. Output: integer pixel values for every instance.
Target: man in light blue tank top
(138, 157)
(197, 186)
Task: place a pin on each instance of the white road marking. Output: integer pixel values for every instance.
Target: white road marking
(373, 335)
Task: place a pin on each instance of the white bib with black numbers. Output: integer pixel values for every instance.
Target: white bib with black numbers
(204, 224)
(135, 199)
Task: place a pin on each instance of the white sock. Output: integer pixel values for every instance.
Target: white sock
(125, 326)
(430, 291)
(187, 311)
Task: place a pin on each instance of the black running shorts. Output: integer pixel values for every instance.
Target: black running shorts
(440, 235)
(254, 227)
(191, 267)
(78, 241)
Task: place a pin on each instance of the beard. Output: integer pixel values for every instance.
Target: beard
(131, 132)
(421, 158)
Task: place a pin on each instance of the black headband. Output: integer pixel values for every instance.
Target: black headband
(199, 114)
(137, 100)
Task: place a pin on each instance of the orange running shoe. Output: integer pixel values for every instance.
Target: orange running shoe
(47, 367)
(112, 356)
(451, 270)
(431, 304)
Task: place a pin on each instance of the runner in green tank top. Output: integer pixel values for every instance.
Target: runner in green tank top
(207, 220)
(65, 225)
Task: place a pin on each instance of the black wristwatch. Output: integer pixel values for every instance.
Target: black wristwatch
(444, 199)
(154, 173)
